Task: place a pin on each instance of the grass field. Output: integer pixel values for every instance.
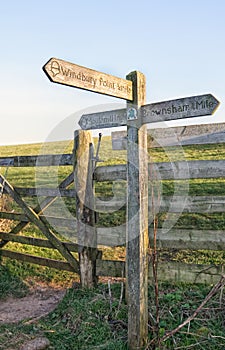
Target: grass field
(93, 319)
(97, 319)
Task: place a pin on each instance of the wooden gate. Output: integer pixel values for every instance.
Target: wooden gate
(81, 164)
(35, 215)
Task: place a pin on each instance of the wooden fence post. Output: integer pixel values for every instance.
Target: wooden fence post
(86, 231)
(137, 217)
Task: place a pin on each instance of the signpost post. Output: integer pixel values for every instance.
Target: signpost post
(137, 217)
(135, 117)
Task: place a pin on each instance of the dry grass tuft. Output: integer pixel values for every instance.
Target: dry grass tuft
(5, 205)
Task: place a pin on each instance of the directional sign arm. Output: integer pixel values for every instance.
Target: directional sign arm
(187, 107)
(108, 119)
(66, 73)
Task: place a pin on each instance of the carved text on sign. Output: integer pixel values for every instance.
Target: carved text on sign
(66, 73)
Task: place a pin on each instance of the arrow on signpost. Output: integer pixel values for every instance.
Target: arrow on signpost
(109, 119)
(188, 107)
(71, 74)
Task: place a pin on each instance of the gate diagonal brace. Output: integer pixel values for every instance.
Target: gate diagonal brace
(34, 218)
(41, 207)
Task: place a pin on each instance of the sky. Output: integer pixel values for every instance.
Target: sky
(178, 45)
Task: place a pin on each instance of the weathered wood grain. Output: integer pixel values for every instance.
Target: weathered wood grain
(108, 119)
(181, 135)
(190, 239)
(56, 264)
(188, 135)
(189, 273)
(37, 242)
(71, 224)
(111, 236)
(187, 107)
(137, 217)
(39, 160)
(111, 173)
(45, 192)
(191, 204)
(110, 268)
(180, 170)
(85, 213)
(71, 74)
(168, 271)
(177, 239)
(172, 204)
(172, 239)
(166, 170)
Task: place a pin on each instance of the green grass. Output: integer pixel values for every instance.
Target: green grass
(179, 303)
(31, 274)
(97, 319)
(83, 320)
(36, 148)
(11, 283)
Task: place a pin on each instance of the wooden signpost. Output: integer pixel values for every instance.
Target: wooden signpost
(135, 117)
(188, 107)
(137, 241)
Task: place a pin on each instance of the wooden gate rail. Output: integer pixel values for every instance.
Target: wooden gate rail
(37, 242)
(56, 264)
(176, 136)
(193, 204)
(45, 192)
(179, 170)
(167, 271)
(115, 236)
(71, 224)
(39, 160)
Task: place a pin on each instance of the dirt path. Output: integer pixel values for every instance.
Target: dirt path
(35, 305)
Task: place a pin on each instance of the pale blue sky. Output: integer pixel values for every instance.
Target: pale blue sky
(178, 45)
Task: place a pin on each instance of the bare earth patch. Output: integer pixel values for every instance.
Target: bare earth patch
(35, 305)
